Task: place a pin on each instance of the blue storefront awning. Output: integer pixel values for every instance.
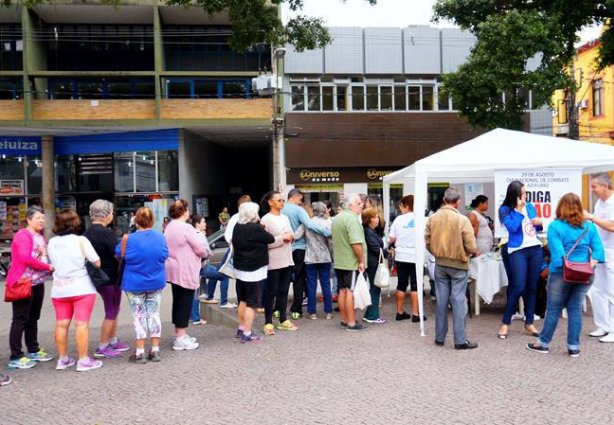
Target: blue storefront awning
(154, 140)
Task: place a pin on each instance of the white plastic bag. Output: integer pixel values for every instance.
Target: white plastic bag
(362, 296)
(382, 275)
(227, 268)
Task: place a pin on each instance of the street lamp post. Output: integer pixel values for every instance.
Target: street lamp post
(279, 156)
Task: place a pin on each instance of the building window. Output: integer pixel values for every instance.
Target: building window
(443, 99)
(358, 98)
(11, 88)
(147, 171)
(11, 47)
(400, 98)
(103, 88)
(372, 98)
(313, 98)
(298, 97)
(414, 98)
(598, 98)
(428, 92)
(328, 98)
(342, 93)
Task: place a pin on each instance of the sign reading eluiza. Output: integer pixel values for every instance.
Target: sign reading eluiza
(20, 147)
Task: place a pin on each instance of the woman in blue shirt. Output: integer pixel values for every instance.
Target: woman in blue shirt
(525, 255)
(562, 235)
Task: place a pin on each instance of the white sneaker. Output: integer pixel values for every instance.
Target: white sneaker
(199, 322)
(607, 338)
(536, 317)
(598, 333)
(228, 305)
(184, 343)
(517, 316)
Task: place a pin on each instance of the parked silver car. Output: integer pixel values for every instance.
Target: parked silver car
(218, 246)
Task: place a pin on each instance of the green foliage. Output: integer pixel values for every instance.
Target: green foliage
(253, 21)
(510, 33)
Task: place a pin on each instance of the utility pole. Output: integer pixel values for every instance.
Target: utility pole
(279, 162)
(572, 106)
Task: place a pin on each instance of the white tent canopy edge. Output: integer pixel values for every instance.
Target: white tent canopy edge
(477, 160)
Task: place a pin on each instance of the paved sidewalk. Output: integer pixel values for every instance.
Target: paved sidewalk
(321, 374)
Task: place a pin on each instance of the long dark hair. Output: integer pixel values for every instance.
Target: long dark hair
(514, 191)
(264, 202)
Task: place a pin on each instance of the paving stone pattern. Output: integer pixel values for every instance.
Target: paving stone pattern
(321, 374)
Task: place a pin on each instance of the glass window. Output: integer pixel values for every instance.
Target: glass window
(358, 98)
(597, 98)
(342, 92)
(372, 98)
(11, 88)
(124, 166)
(168, 171)
(205, 89)
(313, 98)
(11, 47)
(234, 89)
(90, 90)
(414, 98)
(400, 101)
(145, 171)
(443, 100)
(385, 98)
(35, 176)
(179, 89)
(327, 98)
(427, 98)
(65, 175)
(11, 168)
(61, 90)
(298, 97)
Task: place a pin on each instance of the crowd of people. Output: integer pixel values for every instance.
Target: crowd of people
(280, 242)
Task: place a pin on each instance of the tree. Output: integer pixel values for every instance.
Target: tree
(253, 21)
(509, 34)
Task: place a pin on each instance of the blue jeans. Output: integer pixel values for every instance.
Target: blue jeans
(570, 296)
(525, 267)
(451, 287)
(213, 276)
(321, 270)
(195, 312)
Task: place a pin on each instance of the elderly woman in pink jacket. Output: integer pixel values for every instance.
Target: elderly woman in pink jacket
(183, 270)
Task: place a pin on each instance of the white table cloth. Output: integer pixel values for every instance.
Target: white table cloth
(489, 275)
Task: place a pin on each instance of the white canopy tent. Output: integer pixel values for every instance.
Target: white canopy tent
(476, 161)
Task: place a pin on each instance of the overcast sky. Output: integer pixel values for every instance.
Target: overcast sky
(386, 13)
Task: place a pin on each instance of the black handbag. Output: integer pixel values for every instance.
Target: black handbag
(98, 276)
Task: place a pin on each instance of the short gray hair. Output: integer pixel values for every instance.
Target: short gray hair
(451, 195)
(349, 199)
(319, 209)
(100, 209)
(603, 178)
(248, 213)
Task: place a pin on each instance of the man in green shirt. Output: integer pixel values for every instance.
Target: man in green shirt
(349, 250)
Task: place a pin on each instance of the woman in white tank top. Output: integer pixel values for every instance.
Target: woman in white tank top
(483, 233)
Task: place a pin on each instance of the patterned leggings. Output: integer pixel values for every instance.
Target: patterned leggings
(145, 308)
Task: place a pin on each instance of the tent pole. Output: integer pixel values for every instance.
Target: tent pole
(420, 197)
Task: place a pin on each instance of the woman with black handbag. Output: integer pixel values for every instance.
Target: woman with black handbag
(103, 240)
(573, 239)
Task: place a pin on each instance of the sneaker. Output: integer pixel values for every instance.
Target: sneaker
(378, 321)
(65, 363)
(229, 305)
(329, 316)
(357, 327)
(250, 339)
(239, 333)
(184, 343)
(312, 316)
(343, 325)
(304, 303)
(5, 380)
(607, 338)
(40, 356)
(137, 358)
(211, 301)
(191, 338)
(154, 356)
(119, 346)
(517, 316)
(107, 352)
(88, 364)
(416, 318)
(402, 316)
(199, 322)
(573, 353)
(598, 333)
(269, 329)
(276, 314)
(287, 326)
(202, 297)
(22, 363)
(296, 315)
(537, 348)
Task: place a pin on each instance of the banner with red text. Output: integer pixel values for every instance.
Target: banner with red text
(544, 189)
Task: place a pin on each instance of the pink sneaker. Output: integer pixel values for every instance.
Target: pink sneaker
(88, 364)
(120, 346)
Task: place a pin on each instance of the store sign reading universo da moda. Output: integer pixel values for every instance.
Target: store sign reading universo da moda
(544, 187)
(342, 175)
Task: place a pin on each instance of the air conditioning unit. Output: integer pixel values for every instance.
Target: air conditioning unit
(265, 84)
(583, 104)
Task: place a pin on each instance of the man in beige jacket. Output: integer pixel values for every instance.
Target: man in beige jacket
(449, 237)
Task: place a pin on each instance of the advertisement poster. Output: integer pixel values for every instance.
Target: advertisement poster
(544, 189)
(471, 191)
(11, 187)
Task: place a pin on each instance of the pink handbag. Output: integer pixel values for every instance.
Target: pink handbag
(576, 272)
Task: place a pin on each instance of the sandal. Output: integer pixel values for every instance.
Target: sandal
(529, 331)
(287, 326)
(502, 335)
(269, 329)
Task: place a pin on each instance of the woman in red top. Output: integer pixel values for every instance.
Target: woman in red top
(28, 260)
